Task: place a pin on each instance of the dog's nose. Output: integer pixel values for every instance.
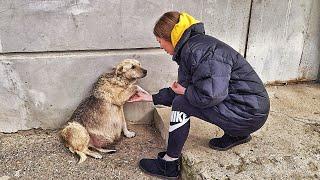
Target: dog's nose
(144, 71)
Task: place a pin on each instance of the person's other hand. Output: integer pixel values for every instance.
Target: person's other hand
(177, 88)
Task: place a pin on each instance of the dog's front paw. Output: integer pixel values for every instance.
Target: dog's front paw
(129, 134)
(140, 89)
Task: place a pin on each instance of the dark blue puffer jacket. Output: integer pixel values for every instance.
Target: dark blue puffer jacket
(216, 76)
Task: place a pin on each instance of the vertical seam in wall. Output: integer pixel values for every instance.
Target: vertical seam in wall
(248, 30)
(306, 31)
(289, 7)
(0, 45)
(201, 16)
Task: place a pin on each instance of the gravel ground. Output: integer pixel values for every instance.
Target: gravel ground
(40, 154)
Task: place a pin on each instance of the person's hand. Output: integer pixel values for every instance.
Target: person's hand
(141, 95)
(177, 88)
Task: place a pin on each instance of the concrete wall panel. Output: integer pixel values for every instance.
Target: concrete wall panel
(29, 25)
(227, 21)
(60, 25)
(310, 59)
(43, 91)
(283, 34)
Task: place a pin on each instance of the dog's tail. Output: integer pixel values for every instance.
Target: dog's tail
(77, 138)
(82, 155)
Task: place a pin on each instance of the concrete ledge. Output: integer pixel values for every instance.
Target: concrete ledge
(287, 147)
(139, 112)
(199, 128)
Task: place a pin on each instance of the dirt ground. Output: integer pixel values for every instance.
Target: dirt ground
(40, 154)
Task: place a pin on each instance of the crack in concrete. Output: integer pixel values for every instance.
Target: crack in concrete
(243, 163)
(299, 119)
(190, 171)
(11, 83)
(313, 123)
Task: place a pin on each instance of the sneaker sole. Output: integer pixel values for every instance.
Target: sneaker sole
(232, 145)
(156, 175)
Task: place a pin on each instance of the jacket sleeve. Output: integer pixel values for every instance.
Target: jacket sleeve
(210, 82)
(165, 97)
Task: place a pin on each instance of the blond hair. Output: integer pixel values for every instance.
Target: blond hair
(165, 24)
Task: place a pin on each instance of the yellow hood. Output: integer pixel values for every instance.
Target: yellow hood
(185, 21)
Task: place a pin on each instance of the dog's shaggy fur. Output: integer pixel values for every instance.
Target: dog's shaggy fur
(99, 120)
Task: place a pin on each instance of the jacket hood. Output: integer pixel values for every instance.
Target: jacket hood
(183, 31)
(185, 21)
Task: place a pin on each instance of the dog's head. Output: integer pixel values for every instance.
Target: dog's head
(130, 69)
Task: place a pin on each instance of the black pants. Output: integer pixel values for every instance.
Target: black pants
(180, 124)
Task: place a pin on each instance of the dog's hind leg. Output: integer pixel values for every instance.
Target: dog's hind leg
(71, 149)
(99, 143)
(82, 155)
(93, 154)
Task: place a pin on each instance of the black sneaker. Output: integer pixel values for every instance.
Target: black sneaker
(226, 142)
(161, 168)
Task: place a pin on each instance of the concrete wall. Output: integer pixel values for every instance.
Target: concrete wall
(51, 52)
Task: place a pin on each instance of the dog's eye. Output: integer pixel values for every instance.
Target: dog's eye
(132, 67)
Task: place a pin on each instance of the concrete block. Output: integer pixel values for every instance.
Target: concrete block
(198, 128)
(161, 121)
(42, 90)
(29, 26)
(139, 112)
(283, 41)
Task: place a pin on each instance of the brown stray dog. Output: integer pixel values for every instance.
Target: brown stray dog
(99, 120)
